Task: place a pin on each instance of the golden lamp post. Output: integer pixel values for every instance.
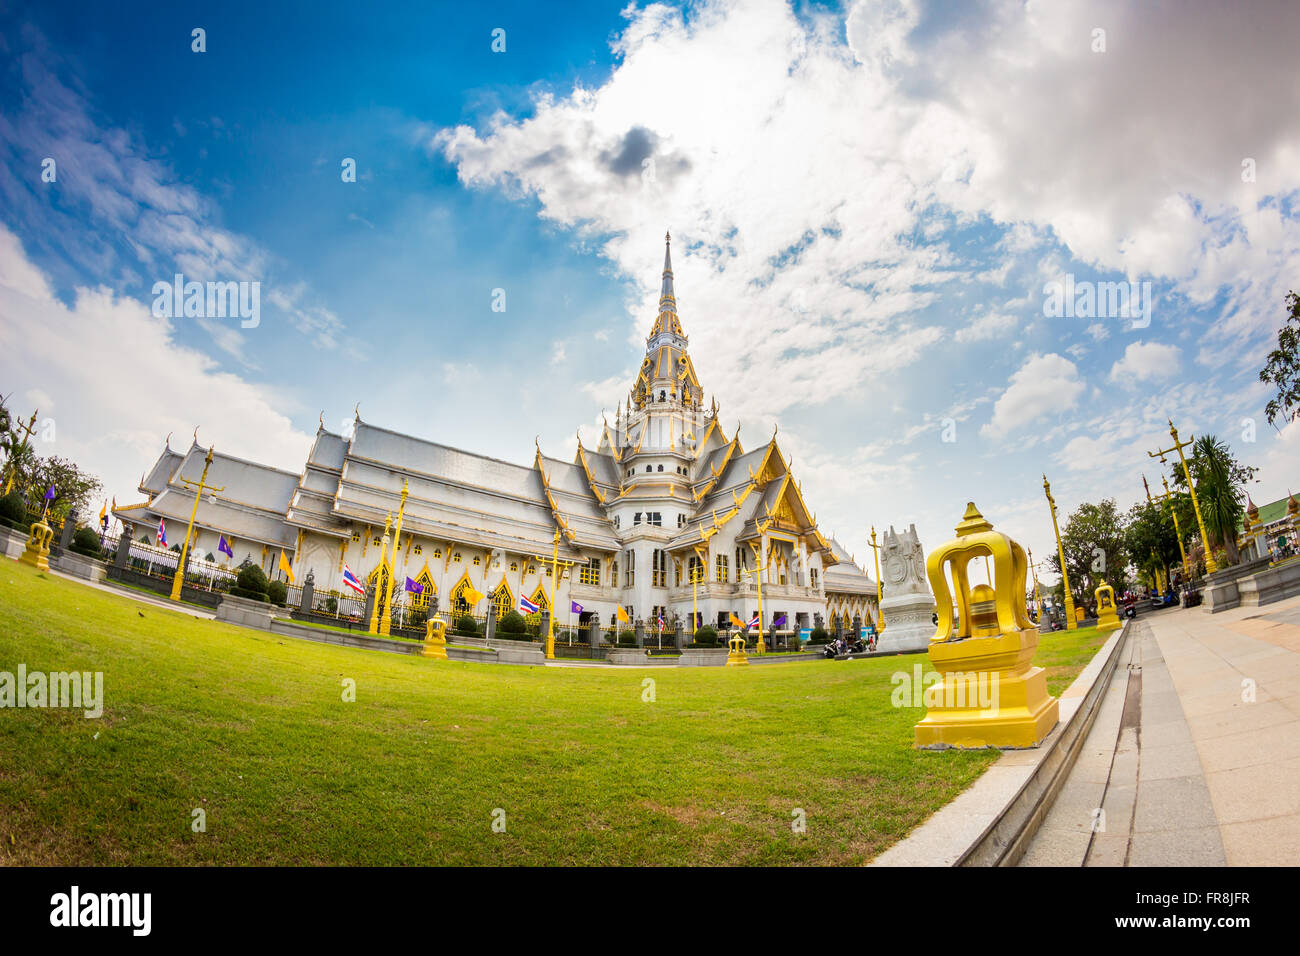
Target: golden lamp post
(199, 487)
(379, 574)
(1038, 597)
(558, 567)
(1070, 623)
(386, 614)
(1210, 565)
(26, 432)
(757, 571)
(880, 611)
(1165, 499)
(1163, 569)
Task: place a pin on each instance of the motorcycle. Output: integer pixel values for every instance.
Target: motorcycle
(832, 649)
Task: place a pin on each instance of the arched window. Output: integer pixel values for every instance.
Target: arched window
(661, 467)
(647, 468)
(459, 605)
(661, 395)
(539, 598)
(503, 600)
(427, 592)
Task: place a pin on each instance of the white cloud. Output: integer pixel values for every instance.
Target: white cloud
(990, 326)
(1145, 362)
(128, 383)
(1043, 385)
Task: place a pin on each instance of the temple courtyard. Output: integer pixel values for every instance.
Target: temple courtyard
(221, 744)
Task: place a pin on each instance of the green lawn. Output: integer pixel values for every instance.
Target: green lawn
(252, 728)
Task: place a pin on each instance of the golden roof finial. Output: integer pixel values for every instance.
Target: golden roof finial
(972, 522)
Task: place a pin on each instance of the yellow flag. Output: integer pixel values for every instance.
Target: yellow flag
(622, 614)
(284, 566)
(470, 595)
(736, 621)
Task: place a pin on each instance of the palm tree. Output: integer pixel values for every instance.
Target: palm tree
(1219, 497)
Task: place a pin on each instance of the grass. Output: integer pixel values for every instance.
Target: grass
(251, 727)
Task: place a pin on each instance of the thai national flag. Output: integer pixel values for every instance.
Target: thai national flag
(527, 606)
(753, 622)
(661, 623)
(162, 532)
(224, 547)
(351, 580)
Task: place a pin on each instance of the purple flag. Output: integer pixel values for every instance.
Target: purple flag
(414, 587)
(575, 607)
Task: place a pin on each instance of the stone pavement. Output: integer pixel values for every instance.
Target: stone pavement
(1194, 757)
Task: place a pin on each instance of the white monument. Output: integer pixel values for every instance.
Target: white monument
(907, 605)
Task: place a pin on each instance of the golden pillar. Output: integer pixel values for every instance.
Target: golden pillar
(386, 615)
(1210, 565)
(199, 487)
(380, 590)
(1070, 623)
(880, 611)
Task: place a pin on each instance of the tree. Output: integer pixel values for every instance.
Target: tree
(1282, 370)
(73, 488)
(1219, 478)
(1093, 540)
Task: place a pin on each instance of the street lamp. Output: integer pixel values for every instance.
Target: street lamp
(1070, 623)
(1210, 565)
(199, 487)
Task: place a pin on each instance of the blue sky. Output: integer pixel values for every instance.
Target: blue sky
(868, 202)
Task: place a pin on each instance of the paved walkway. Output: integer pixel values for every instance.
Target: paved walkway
(1194, 757)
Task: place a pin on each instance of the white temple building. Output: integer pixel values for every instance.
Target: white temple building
(665, 494)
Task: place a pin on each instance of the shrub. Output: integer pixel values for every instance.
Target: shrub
(705, 637)
(534, 629)
(792, 642)
(513, 624)
(627, 638)
(277, 592)
(251, 583)
(85, 541)
(465, 624)
(13, 509)
(332, 604)
(819, 636)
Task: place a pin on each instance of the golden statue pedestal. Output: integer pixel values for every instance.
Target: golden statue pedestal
(1107, 616)
(991, 694)
(736, 656)
(37, 551)
(435, 640)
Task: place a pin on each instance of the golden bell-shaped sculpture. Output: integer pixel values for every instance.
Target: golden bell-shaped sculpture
(435, 640)
(736, 655)
(988, 644)
(37, 551)
(1107, 617)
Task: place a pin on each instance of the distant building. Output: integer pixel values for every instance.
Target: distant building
(664, 495)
